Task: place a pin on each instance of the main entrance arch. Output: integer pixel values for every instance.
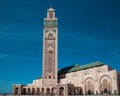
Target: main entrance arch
(105, 85)
(89, 86)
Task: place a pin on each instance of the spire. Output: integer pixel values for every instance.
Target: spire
(51, 8)
(50, 5)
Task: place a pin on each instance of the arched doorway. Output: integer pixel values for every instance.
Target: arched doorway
(89, 92)
(81, 92)
(105, 91)
(16, 90)
(69, 91)
(53, 91)
(42, 91)
(37, 91)
(28, 91)
(61, 91)
(89, 87)
(33, 91)
(47, 91)
(75, 90)
(24, 91)
(105, 85)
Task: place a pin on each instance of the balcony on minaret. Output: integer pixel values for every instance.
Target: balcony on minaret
(51, 21)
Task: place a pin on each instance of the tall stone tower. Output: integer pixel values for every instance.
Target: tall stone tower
(50, 46)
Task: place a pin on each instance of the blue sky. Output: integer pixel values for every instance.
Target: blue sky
(89, 30)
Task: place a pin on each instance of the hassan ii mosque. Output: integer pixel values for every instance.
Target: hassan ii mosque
(91, 79)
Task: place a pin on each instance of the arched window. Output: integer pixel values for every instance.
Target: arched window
(50, 51)
(61, 91)
(50, 35)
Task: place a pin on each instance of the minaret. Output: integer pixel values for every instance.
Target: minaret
(50, 49)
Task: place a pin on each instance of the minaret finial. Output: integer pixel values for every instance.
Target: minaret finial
(50, 5)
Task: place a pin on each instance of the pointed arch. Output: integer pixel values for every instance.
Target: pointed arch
(89, 86)
(47, 91)
(42, 91)
(61, 91)
(24, 91)
(105, 85)
(38, 91)
(28, 91)
(51, 34)
(71, 81)
(105, 77)
(50, 49)
(53, 91)
(33, 91)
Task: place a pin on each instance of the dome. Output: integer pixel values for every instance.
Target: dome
(51, 9)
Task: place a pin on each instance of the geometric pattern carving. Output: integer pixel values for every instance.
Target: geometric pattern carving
(105, 85)
(89, 86)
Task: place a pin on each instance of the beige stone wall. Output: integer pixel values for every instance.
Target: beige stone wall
(92, 80)
(94, 77)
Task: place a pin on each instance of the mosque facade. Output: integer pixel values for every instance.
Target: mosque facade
(89, 79)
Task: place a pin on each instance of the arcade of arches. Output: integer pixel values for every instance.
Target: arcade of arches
(36, 91)
(104, 82)
(105, 86)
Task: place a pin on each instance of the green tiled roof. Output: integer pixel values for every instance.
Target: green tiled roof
(66, 69)
(78, 67)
